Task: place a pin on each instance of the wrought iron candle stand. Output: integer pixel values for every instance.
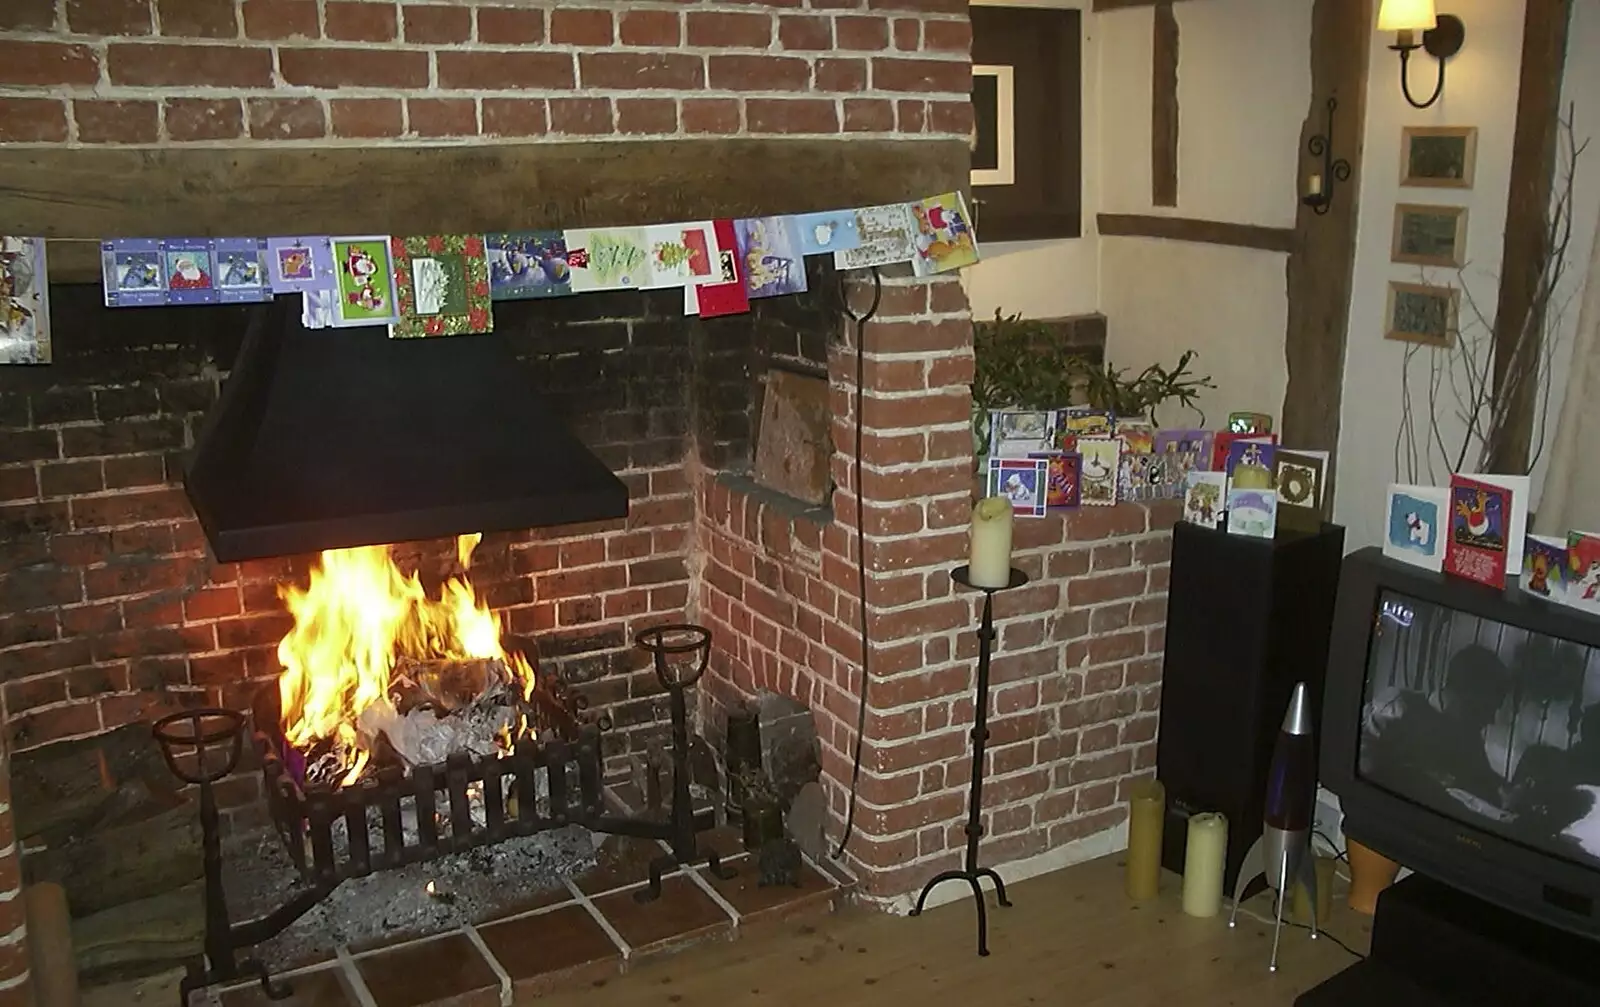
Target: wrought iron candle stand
(970, 872)
(204, 732)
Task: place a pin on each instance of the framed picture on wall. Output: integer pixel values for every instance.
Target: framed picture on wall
(1027, 94)
(1419, 313)
(994, 125)
(1430, 235)
(1438, 157)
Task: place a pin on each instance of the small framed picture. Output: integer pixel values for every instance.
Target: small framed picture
(1422, 314)
(1023, 481)
(1438, 157)
(1430, 235)
(994, 138)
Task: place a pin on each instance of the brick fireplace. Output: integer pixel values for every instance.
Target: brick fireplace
(112, 610)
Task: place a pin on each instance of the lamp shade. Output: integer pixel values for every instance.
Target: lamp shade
(1407, 15)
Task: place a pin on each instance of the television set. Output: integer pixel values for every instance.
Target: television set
(1461, 733)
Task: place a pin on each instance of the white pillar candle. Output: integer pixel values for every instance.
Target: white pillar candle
(1203, 863)
(990, 562)
(1314, 187)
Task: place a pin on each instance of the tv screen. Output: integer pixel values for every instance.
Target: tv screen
(1490, 724)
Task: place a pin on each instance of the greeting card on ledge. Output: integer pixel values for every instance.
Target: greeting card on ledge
(242, 270)
(1416, 521)
(317, 309)
(441, 285)
(1139, 474)
(1252, 513)
(1250, 454)
(1583, 570)
(1062, 475)
(769, 251)
(1299, 476)
(190, 269)
(1544, 567)
(1077, 421)
(615, 258)
(1019, 433)
(365, 293)
(1137, 435)
(944, 236)
(682, 255)
(1203, 498)
(527, 264)
(1023, 481)
(1517, 517)
(727, 295)
(1223, 442)
(826, 233)
(298, 264)
(1182, 452)
(1098, 473)
(134, 273)
(1249, 424)
(1476, 546)
(24, 302)
(888, 236)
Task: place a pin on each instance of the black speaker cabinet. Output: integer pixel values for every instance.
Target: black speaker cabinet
(1247, 618)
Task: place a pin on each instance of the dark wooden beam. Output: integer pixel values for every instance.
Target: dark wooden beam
(92, 194)
(1105, 5)
(1164, 108)
(1321, 270)
(1208, 232)
(1526, 249)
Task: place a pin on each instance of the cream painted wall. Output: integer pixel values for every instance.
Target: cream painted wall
(1480, 90)
(1049, 279)
(1244, 82)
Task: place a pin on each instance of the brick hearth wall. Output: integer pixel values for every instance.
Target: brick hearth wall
(159, 72)
(1076, 671)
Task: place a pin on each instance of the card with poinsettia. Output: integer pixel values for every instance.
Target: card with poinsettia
(441, 284)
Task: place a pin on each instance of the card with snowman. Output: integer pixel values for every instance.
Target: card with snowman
(1023, 481)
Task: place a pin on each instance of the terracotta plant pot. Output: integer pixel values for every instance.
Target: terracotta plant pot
(1370, 873)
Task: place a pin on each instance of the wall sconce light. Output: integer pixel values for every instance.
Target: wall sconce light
(1442, 36)
(1319, 188)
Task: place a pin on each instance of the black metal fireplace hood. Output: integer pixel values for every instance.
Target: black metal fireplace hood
(344, 437)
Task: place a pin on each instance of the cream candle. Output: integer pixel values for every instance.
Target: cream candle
(989, 564)
(1203, 863)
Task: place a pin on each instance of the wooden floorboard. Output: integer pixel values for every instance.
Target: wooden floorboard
(1071, 938)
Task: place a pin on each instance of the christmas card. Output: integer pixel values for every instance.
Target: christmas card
(1298, 477)
(365, 291)
(826, 233)
(1019, 433)
(299, 264)
(888, 236)
(1080, 421)
(441, 284)
(527, 264)
(1520, 488)
(682, 255)
(769, 253)
(1102, 458)
(1583, 570)
(1416, 524)
(1203, 498)
(1223, 443)
(190, 270)
(134, 272)
(1061, 474)
(242, 270)
(1476, 546)
(1252, 513)
(608, 258)
(727, 294)
(24, 302)
(1182, 452)
(944, 237)
(1137, 435)
(1023, 481)
(1544, 567)
(1249, 424)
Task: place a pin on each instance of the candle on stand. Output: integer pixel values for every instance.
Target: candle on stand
(989, 564)
(1203, 864)
(1314, 187)
(1147, 809)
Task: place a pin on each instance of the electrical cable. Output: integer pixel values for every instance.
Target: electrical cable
(860, 321)
(1321, 933)
(1338, 854)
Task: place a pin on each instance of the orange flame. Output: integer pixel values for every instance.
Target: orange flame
(357, 618)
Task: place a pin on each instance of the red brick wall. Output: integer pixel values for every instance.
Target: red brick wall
(1076, 672)
(158, 72)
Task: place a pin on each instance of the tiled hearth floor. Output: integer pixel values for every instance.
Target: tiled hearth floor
(592, 930)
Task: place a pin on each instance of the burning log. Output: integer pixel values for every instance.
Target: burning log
(444, 684)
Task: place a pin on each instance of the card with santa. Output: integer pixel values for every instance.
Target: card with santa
(365, 272)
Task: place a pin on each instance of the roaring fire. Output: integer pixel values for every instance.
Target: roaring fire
(359, 616)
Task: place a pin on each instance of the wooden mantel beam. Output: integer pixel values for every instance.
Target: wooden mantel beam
(1105, 5)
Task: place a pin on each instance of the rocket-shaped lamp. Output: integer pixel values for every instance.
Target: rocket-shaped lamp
(1281, 854)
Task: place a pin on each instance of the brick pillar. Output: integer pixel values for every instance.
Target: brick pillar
(13, 928)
